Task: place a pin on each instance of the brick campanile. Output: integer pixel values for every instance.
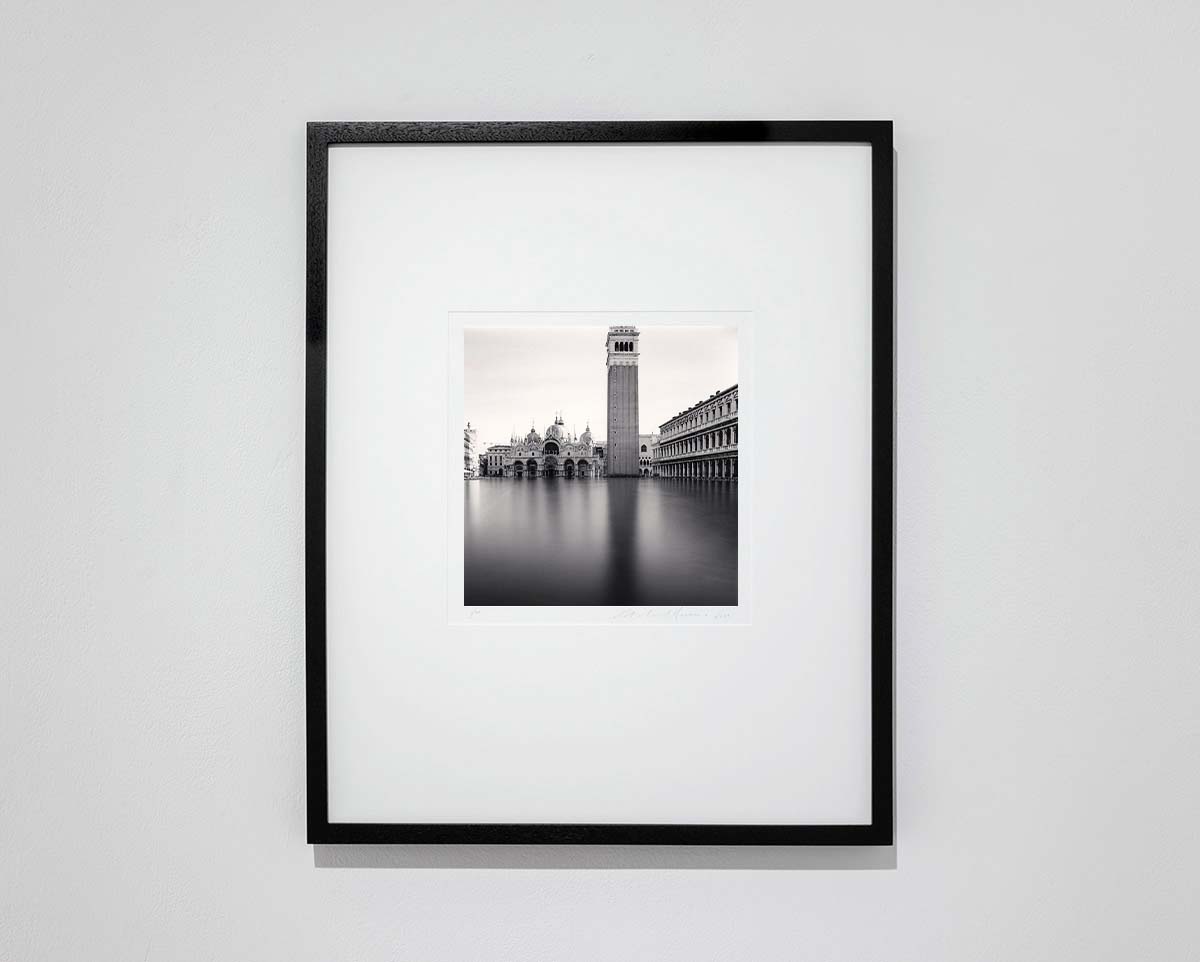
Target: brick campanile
(623, 402)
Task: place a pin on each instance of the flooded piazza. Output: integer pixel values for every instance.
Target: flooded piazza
(614, 541)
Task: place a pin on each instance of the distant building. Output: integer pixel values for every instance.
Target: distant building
(647, 449)
(622, 347)
(470, 459)
(557, 455)
(493, 460)
(702, 442)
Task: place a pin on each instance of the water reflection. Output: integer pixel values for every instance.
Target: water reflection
(621, 541)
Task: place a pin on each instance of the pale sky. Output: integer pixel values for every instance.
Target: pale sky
(518, 375)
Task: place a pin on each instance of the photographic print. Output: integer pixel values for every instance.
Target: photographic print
(600, 465)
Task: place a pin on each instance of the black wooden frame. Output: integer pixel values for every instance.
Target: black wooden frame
(877, 134)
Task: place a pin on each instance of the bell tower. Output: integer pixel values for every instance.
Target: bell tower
(622, 347)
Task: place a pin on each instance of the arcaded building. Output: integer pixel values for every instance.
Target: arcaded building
(623, 460)
(557, 455)
(702, 442)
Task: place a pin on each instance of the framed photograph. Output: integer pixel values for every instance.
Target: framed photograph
(599, 483)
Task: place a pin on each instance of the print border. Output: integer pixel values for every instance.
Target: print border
(459, 614)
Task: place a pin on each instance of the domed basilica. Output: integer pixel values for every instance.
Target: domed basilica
(558, 455)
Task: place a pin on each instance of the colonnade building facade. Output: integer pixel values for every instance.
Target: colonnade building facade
(702, 442)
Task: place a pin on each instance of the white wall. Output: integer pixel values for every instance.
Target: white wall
(151, 696)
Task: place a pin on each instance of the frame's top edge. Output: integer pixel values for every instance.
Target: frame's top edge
(874, 132)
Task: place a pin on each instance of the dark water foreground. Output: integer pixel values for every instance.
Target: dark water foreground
(620, 541)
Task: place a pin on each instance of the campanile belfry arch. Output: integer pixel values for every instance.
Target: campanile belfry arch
(622, 347)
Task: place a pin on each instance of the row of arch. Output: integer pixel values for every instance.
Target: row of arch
(623, 346)
(721, 438)
(713, 469)
(726, 407)
(551, 468)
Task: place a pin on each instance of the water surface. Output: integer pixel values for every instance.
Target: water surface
(617, 541)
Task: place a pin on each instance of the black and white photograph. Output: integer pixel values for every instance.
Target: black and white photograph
(600, 465)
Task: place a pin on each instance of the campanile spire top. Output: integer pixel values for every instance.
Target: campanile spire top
(622, 345)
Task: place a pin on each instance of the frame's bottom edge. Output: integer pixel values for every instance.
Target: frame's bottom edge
(364, 833)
